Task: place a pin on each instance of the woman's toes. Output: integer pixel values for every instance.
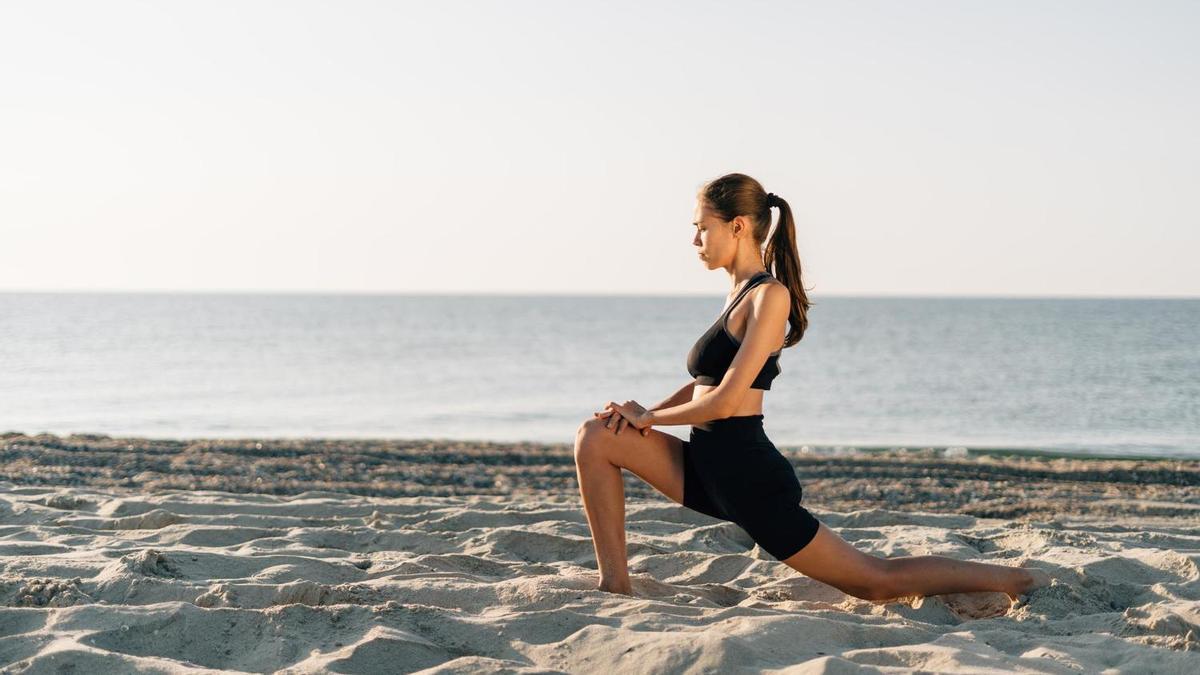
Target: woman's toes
(1034, 579)
(1038, 579)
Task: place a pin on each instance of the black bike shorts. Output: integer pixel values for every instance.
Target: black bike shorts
(733, 472)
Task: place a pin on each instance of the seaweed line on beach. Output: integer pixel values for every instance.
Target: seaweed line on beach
(986, 485)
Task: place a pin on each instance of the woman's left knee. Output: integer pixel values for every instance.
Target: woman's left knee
(586, 447)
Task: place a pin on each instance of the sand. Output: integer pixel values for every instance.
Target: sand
(153, 555)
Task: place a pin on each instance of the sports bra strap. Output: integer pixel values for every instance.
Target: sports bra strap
(742, 293)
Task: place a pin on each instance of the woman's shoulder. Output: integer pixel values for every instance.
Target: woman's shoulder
(772, 292)
(771, 281)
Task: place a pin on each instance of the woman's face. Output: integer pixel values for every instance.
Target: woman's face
(713, 237)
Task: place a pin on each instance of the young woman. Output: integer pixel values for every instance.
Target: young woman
(728, 468)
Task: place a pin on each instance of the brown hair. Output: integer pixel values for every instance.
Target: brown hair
(736, 194)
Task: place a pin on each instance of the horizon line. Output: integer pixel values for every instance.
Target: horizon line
(327, 292)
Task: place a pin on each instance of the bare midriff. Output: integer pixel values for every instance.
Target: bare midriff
(751, 403)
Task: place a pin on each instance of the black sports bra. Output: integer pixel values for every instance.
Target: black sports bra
(710, 357)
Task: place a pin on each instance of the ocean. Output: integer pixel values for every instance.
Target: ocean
(1091, 376)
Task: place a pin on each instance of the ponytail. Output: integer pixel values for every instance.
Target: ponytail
(782, 259)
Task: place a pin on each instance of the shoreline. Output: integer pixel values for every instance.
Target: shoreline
(822, 449)
(1022, 487)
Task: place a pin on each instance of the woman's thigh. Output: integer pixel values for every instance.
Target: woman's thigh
(656, 458)
(832, 560)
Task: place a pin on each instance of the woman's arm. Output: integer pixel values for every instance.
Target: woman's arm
(704, 409)
(682, 396)
(678, 408)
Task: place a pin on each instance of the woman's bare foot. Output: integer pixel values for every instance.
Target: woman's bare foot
(1035, 578)
(622, 587)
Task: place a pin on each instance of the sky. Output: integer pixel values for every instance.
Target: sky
(926, 148)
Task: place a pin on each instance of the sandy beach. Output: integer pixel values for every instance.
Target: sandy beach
(357, 556)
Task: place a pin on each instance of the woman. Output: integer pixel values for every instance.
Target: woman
(728, 468)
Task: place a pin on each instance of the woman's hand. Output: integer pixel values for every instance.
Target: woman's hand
(630, 413)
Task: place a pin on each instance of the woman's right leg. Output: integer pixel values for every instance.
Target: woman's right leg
(600, 454)
(832, 560)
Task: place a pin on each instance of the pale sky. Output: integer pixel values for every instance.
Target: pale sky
(927, 148)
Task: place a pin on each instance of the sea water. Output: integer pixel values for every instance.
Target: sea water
(1096, 376)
